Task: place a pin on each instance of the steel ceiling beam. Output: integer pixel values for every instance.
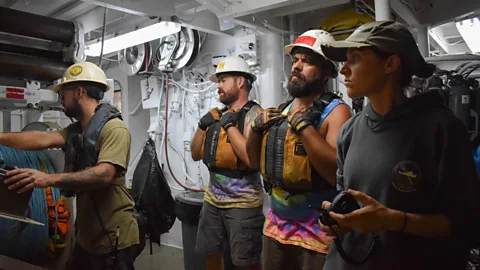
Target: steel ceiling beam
(305, 6)
(193, 6)
(404, 12)
(72, 10)
(248, 7)
(212, 6)
(94, 18)
(141, 8)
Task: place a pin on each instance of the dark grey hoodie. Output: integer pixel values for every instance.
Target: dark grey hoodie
(416, 159)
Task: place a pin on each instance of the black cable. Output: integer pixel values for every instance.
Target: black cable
(472, 70)
(103, 36)
(373, 248)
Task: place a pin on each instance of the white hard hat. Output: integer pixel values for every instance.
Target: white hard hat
(313, 40)
(83, 72)
(232, 64)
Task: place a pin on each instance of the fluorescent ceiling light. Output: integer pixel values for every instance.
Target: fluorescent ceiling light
(469, 29)
(140, 36)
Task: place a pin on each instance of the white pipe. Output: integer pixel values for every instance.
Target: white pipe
(193, 91)
(160, 95)
(270, 86)
(382, 13)
(422, 39)
(184, 167)
(382, 10)
(257, 94)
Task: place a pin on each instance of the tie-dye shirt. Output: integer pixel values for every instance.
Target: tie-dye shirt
(228, 192)
(290, 221)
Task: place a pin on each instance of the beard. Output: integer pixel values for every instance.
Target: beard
(302, 87)
(74, 111)
(228, 99)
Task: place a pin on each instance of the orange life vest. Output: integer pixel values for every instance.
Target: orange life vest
(284, 161)
(217, 151)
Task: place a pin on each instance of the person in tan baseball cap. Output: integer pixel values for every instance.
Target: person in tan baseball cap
(385, 39)
(408, 161)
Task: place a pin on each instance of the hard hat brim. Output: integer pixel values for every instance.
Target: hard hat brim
(289, 49)
(58, 87)
(214, 78)
(337, 51)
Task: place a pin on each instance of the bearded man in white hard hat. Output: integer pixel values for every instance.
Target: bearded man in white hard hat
(232, 210)
(298, 157)
(97, 152)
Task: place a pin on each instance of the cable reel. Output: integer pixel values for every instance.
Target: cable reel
(56, 155)
(135, 59)
(177, 51)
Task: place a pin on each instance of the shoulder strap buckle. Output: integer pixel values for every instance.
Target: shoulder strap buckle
(249, 105)
(325, 99)
(282, 106)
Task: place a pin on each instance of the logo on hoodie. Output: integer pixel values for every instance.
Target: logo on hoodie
(406, 176)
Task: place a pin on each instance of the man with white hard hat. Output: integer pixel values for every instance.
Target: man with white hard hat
(297, 157)
(97, 152)
(232, 210)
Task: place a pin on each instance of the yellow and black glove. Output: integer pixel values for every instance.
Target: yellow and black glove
(302, 118)
(209, 118)
(229, 119)
(266, 119)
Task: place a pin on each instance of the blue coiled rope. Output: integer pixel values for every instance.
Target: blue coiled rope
(31, 244)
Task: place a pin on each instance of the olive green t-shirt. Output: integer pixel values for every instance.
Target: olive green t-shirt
(114, 203)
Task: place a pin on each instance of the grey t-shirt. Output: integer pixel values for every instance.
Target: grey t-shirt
(416, 159)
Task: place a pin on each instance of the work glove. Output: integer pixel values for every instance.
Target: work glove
(229, 119)
(266, 119)
(209, 118)
(302, 118)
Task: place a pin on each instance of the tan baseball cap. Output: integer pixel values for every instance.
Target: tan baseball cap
(387, 36)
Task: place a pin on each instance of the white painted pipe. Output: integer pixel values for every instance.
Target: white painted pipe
(422, 40)
(270, 81)
(382, 10)
(382, 13)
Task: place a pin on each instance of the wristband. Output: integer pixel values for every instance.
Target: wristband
(302, 125)
(228, 125)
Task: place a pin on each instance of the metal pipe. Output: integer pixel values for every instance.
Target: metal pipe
(30, 68)
(422, 39)
(8, 48)
(103, 35)
(292, 19)
(35, 43)
(271, 83)
(32, 25)
(382, 10)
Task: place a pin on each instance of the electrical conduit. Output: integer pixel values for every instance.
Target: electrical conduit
(166, 142)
